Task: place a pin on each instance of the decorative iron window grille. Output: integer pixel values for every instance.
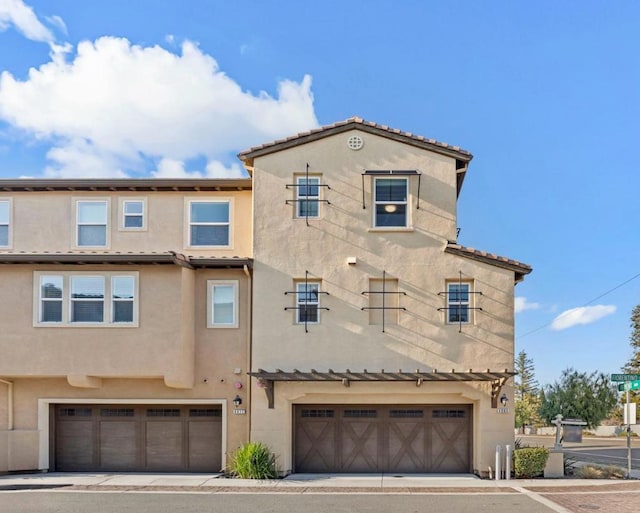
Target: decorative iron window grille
(307, 302)
(384, 293)
(459, 302)
(307, 199)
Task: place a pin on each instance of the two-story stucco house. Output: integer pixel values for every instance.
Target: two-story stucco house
(379, 343)
(124, 313)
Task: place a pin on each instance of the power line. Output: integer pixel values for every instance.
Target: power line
(586, 304)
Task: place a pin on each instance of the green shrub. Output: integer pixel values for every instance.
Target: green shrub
(253, 460)
(530, 461)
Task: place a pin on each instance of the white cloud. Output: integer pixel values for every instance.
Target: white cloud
(15, 13)
(581, 315)
(521, 304)
(120, 106)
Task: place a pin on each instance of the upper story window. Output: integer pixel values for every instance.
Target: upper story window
(307, 302)
(458, 302)
(87, 299)
(133, 214)
(308, 197)
(209, 223)
(390, 202)
(222, 304)
(92, 223)
(5, 223)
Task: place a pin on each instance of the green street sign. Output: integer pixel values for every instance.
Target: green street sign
(625, 377)
(629, 385)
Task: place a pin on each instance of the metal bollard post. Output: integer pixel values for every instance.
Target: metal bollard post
(507, 462)
(498, 462)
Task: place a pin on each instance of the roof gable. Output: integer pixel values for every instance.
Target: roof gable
(355, 123)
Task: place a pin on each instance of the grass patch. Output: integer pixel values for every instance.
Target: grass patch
(590, 471)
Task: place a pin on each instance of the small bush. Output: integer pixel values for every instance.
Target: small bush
(253, 460)
(598, 472)
(530, 461)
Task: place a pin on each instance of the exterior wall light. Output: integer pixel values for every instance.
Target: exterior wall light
(504, 400)
(237, 401)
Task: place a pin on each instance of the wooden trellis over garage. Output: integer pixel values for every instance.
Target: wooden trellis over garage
(268, 379)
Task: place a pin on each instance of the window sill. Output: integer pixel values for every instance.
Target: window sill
(391, 229)
(86, 325)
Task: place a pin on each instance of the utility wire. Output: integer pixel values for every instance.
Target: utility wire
(586, 304)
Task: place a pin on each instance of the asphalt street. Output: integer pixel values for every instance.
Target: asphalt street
(82, 502)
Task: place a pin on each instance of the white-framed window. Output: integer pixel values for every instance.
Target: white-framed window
(92, 223)
(222, 304)
(209, 223)
(458, 302)
(308, 197)
(5, 223)
(86, 298)
(391, 197)
(307, 302)
(133, 214)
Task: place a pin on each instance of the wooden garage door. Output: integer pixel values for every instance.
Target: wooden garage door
(138, 438)
(376, 438)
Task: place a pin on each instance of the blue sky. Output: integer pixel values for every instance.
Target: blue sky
(546, 95)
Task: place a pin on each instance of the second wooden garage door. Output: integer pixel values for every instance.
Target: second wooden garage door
(130, 438)
(372, 438)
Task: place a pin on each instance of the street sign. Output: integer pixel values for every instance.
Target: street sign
(628, 385)
(625, 377)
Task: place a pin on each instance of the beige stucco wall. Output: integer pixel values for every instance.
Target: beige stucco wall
(45, 221)
(171, 355)
(285, 248)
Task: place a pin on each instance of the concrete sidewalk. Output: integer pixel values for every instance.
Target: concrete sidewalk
(307, 483)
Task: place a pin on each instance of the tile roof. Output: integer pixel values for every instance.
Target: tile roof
(520, 269)
(126, 184)
(122, 257)
(349, 124)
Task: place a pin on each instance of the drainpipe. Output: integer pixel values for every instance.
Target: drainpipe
(247, 272)
(9, 403)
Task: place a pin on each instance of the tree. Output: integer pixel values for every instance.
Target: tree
(579, 395)
(525, 381)
(525, 392)
(526, 411)
(633, 365)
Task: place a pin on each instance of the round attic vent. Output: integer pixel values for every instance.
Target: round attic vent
(355, 142)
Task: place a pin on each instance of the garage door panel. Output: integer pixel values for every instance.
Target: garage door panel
(316, 437)
(164, 447)
(205, 453)
(450, 439)
(118, 445)
(360, 447)
(75, 444)
(407, 446)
